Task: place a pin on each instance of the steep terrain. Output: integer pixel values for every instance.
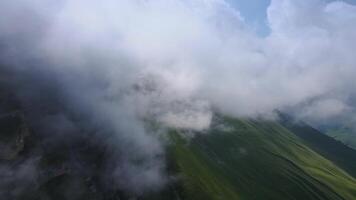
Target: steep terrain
(344, 134)
(235, 159)
(328, 147)
(247, 159)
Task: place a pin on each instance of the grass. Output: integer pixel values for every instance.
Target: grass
(253, 160)
(199, 180)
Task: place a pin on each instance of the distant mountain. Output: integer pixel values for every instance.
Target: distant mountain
(345, 135)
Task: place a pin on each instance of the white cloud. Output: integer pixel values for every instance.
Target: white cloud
(186, 53)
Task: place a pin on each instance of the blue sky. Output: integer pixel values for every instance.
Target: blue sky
(254, 12)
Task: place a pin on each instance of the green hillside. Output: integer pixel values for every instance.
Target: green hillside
(238, 159)
(334, 150)
(246, 159)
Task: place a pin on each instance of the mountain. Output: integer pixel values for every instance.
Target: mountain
(256, 159)
(343, 130)
(247, 159)
(343, 134)
(332, 149)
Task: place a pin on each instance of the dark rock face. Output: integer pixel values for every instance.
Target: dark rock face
(36, 167)
(45, 156)
(13, 128)
(13, 133)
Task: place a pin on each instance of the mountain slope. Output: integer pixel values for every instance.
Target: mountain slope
(344, 135)
(334, 150)
(235, 159)
(246, 159)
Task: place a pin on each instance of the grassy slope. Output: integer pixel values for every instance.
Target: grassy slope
(243, 159)
(335, 151)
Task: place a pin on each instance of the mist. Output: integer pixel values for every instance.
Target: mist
(110, 67)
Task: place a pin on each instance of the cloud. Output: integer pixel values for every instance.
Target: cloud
(324, 110)
(115, 64)
(15, 180)
(315, 41)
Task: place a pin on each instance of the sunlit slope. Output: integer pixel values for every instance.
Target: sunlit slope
(245, 159)
(337, 152)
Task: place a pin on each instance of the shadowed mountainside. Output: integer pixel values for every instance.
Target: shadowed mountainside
(234, 159)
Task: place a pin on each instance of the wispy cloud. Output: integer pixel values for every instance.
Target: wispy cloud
(174, 61)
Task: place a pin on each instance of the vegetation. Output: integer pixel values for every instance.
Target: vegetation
(246, 159)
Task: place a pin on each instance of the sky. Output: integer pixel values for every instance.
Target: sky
(255, 13)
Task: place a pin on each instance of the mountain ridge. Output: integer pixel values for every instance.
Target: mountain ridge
(235, 158)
